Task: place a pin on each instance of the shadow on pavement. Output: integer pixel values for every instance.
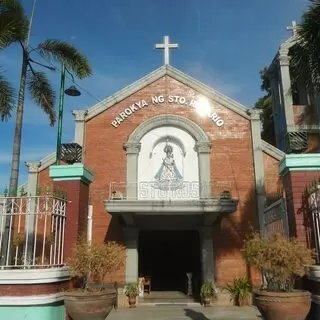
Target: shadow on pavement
(194, 315)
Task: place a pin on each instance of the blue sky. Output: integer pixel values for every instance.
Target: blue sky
(222, 43)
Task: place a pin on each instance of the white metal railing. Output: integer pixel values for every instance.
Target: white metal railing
(173, 190)
(32, 230)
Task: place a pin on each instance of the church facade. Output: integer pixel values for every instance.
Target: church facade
(180, 175)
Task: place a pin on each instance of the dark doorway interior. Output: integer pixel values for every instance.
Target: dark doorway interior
(167, 256)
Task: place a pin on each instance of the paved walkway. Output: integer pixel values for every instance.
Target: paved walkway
(184, 313)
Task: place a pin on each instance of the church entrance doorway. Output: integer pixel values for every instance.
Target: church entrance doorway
(167, 256)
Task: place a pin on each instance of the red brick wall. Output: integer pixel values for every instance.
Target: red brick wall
(44, 180)
(295, 183)
(231, 161)
(33, 289)
(77, 212)
(273, 182)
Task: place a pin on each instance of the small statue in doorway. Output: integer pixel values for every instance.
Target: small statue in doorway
(141, 286)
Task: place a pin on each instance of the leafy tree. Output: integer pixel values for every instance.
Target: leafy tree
(13, 28)
(35, 81)
(265, 104)
(305, 58)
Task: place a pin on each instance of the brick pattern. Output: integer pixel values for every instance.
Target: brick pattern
(33, 289)
(295, 183)
(231, 161)
(273, 182)
(77, 212)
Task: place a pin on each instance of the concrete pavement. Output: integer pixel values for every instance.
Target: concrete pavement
(164, 312)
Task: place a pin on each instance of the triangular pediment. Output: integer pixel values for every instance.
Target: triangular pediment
(167, 70)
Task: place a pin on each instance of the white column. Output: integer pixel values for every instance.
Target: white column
(79, 119)
(207, 257)
(285, 84)
(204, 151)
(258, 164)
(276, 104)
(33, 171)
(132, 150)
(131, 241)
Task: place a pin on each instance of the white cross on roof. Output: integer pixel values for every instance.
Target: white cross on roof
(166, 45)
(293, 28)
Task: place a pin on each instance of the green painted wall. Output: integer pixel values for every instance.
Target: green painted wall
(54, 311)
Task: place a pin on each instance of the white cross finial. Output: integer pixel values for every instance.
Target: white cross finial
(166, 45)
(293, 28)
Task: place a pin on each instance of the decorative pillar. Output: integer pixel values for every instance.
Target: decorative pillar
(204, 151)
(132, 150)
(79, 119)
(74, 180)
(277, 111)
(285, 85)
(258, 164)
(131, 241)
(207, 258)
(33, 171)
(297, 171)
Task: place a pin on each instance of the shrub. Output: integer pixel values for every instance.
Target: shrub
(280, 260)
(239, 291)
(132, 290)
(207, 290)
(91, 262)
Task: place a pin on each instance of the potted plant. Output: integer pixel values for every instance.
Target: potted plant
(240, 291)
(131, 291)
(281, 261)
(207, 292)
(89, 265)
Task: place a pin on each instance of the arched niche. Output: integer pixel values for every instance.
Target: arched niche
(202, 147)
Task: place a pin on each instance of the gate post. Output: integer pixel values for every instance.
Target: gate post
(297, 171)
(74, 180)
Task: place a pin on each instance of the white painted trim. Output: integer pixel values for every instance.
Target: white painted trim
(31, 300)
(175, 74)
(32, 276)
(47, 161)
(143, 82)
(272, 151)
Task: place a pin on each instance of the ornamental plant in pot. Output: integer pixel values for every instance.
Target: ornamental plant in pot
(281, 261)
(240, 292)
(89, 265)
(207, 293)
(132, 291)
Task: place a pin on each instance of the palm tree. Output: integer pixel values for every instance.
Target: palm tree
(38, 84)
(13, 28)
(305, 57)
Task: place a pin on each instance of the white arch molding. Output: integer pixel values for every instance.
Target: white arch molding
(202, 147)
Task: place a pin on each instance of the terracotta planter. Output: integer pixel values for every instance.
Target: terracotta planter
(132, 301)
(283, 305)
(89, 306)
(242, 302)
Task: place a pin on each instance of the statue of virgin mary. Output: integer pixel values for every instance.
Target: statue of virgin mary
(168, 176)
